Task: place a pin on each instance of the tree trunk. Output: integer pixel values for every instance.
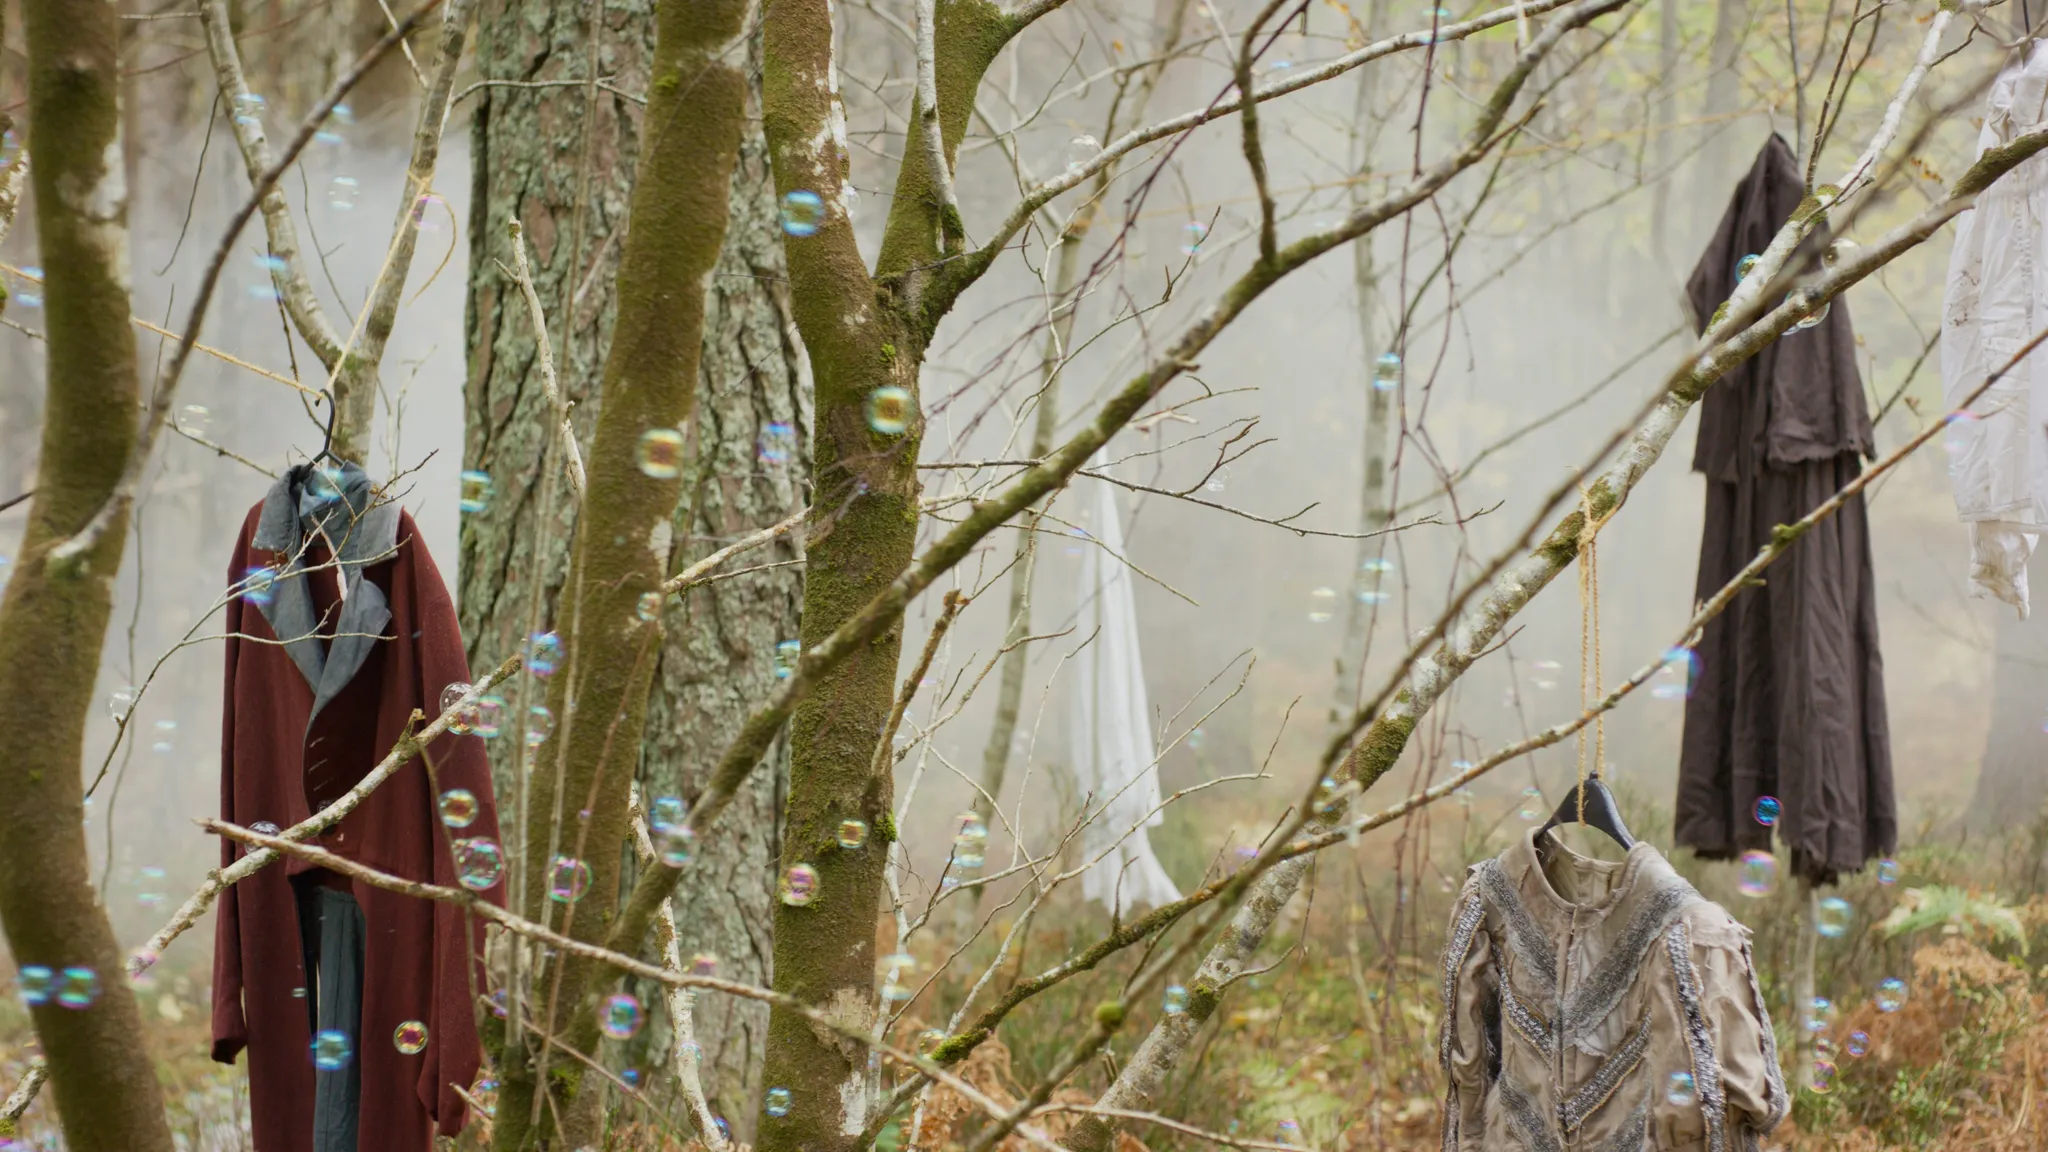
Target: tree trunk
(575, 817)
(53, 618)
(716, 664)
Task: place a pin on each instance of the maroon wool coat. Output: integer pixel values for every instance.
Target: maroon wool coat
(280, 762)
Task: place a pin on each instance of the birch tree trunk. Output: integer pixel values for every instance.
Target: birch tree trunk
(53, 617)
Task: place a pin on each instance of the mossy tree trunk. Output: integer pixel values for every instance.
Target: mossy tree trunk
(53, 618)
(862, 334)
(577, 808)
(716, 658)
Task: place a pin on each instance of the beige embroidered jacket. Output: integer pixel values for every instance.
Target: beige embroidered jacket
(1601, 1006)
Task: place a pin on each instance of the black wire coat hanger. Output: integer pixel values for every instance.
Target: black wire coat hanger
(327, 441)
(1590, 803)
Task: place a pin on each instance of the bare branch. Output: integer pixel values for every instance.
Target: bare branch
(523, 276)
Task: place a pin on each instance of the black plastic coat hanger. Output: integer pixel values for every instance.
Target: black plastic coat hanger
(1593, 805)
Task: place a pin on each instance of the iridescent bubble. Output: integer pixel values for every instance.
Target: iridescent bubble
(567, 879)
(1759, 874)
(1891, 994)
(429, 211)
(1546, 675)
(631, 1076)
(1175, 1001)
(139, 965)
(1743, 266)
(36, 982)
(970, 841)
(332, 1051)
(263, 828)
(1832, 917)
(248, 109)
(1677, 676)
(1823, 1077)
(1766, 810)
(120, 701)
(853, 833)
(410, 1037)
(1196, 738)
(543, 653)
(1532, 805)
(479, 863)
(787, 653)
(489, 716)
(1289, 1134)
(776, 443)
(799, 885)
(1804, 297)
(1321, 605)
(928, 1041)
(1080, 150)
(539, 723)
(661, 453)
(1819, 1013)
(150, 886)
(1887, 871)
(649, 607)
(1217, 482)
(10, 147)
(194, 418)
(665, 813)
(1386, 372)
(259, 586)
(678, 846)
(889, 410)
(620, 1019)
(898, 968)
(1191, 236)
(342, 192)
(1329, 795)
(775, 1102)
(1859, 1043)
(476, 492)
(704, 964)
(1680, 1090)
(78, 988)
(803, 213)
(463, 718)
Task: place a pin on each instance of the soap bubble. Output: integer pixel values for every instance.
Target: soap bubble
(1819, 1013)
(678, 846)
(1759, 874)
(1080, 150)
(1546, 674)
(621, 1017)
(36, 982)
(889, 410)
(120, 701)
(1823, 1077)
(1386, 372)
(428, 211)
(151, 885)
(1680, 1090)
(194, 418)
(1175, 1001)
(263, 828)
(661, 453)
(776, 443)
(928, 1041)
(259, 586)
(1289, 1134)
(1191, 236)
(803, 213)
(775, 1102)
(458, 808)
(704, 964)
(567, 878)
(665, 813)
(248, 109)
(78, 988)
(342, 192)
(410, 1037)
(1891, 994)
(1887, 871)
(799, 885)
(1532, 800)
(487, 716)
(332, 1051)
(10, 147)
(1217, 482)
(853, 833)
(1321, 603)
(1679, 673)
(1859, 1043)
(1803, 297)
(479, 863)
(1766, 810)
(539, 723)
(476, 492)
(1743, 266)
(1833, 916)
(970, 843)
(786, 654)
(898, 967)
(543, 653)
(649, 607)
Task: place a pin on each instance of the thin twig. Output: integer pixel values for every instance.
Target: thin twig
(523, 275)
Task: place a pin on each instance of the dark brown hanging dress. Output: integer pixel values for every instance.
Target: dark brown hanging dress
(1789, 695)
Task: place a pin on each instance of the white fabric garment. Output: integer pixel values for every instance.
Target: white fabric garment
(1996, 300)
(1109, 729)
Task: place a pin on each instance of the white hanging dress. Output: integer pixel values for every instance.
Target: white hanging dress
(1114, 762)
